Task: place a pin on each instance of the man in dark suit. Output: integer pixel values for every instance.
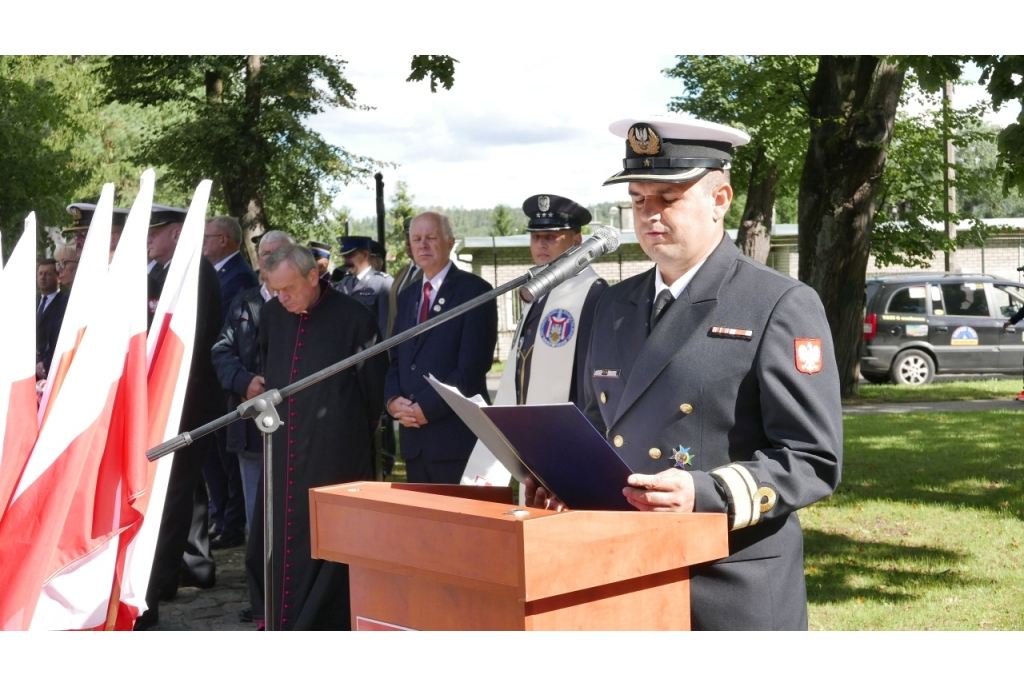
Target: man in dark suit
(714, 378)
(182, 554)
(435, 443)
(49, 309)
(222, 237)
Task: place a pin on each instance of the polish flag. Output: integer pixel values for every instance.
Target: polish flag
(85, 299)
(17, 381)
(77, 591)
(169, 348)
(71, 443)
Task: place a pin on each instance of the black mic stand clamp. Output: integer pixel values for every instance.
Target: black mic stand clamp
(262, 409)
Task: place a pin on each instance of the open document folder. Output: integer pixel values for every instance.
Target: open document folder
(553, 443)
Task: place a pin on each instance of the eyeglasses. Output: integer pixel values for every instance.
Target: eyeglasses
(64, 262)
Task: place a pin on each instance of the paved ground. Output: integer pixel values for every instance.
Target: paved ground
(213, 609)
(918, 407)
(217, 608)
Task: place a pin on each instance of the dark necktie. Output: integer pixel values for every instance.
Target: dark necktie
(661, 303)
(425, 307)
(42, 305)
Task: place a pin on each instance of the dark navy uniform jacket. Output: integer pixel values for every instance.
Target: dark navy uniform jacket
(741, 371)
(372, 292)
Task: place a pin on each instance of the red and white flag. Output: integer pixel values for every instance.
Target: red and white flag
(77, 591)
(70, 447)
(170, 342)
(85, 299)
(17, 381)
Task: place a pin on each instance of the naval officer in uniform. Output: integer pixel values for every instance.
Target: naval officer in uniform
(545, 361)
(714, 378)
(364, 283)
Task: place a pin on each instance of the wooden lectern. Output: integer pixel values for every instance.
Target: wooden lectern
(451, 557)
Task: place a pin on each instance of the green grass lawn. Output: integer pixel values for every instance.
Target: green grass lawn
(992, 389)
(925, 531)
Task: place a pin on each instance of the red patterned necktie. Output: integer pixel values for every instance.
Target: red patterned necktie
(425, 307)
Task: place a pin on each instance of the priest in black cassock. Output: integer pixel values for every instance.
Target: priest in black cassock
(327, 431)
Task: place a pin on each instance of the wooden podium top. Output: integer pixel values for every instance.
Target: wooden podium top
(475, 537)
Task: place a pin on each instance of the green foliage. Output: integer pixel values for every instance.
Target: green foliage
(1004, 79)
(912, 198)
(764, 95)
(36, 169)
(987, 199)
(438, 68)
(242, 122)
(990, 389)
(504, 222)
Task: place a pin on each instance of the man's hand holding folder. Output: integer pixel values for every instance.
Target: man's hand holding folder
(670, 490)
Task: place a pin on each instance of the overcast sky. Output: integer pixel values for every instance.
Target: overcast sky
(511, 127)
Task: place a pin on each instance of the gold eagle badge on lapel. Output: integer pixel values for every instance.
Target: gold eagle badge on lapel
(643, 140)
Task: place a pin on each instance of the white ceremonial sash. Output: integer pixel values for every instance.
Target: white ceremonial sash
(550, 367)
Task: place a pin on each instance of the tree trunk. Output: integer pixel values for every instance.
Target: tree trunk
(247, 191)
(853, 105)
(754, 236)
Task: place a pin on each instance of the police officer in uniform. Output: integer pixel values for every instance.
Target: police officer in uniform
(714, 378)
(322, 255)
(367, 285)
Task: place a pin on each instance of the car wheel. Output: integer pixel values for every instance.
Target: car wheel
(913, 367)
(876, 378)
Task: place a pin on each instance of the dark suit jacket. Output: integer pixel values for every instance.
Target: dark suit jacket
(458, 353)
(48, 328)
(235, 276)
(204, 398)
(759, 415)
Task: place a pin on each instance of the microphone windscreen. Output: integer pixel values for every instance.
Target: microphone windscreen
(611, 237)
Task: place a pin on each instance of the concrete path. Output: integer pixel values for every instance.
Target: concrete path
(920, 407)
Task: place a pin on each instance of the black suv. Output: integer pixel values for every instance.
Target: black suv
(918, 326)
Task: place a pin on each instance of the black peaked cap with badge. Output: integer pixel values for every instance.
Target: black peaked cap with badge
(666, 148)
(162, 215)
(82, 213)
(554, 213)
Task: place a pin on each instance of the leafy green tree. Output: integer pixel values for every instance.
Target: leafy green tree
(765, 96)
(243, 123)
(36, 171)
(911, 200)
(502, 221)
(400, 211)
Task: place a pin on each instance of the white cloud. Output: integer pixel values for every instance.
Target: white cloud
(508, 129)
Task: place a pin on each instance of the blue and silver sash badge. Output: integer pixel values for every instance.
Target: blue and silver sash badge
(557, 328)
(682, 457)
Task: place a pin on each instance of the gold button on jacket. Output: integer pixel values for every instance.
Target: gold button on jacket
(685, 408)
(655, 453)
(618, 441)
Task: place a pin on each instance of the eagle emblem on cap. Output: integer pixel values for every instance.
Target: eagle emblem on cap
(543, 203)
(76, 213)
(643, 140)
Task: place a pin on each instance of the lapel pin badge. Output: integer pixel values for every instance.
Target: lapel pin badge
(682, 457)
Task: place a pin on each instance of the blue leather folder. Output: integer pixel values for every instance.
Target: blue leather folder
(567, 454)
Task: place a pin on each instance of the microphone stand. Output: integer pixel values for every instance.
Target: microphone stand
(262, 410)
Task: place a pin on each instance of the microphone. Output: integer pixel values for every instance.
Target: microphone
(604, 240)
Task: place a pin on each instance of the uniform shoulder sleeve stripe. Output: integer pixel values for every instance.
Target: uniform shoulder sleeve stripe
(742, 490)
